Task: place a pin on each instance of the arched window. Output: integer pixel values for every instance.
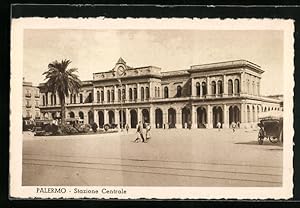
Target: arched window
(179, 91)
(112, 95)
(71, 96)
(74, 99)
(135, 93)
(197, 89)
(166, 92)
(155, 89)
(253, 88)
(220, 87)
(204, 89)
(102, 96)
(213, 87)
(51, 99)
(236, 86)
(81, 98)
(108, 95)
(230, 87)
(142, 93)
(248, 113)
(130, 94)
(158, 92)
(44, 103)
(147, 93)
(119, 94)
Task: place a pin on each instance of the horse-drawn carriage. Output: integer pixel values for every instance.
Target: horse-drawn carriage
(271, 127)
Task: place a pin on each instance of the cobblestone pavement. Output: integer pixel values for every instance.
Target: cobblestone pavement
(174, 157)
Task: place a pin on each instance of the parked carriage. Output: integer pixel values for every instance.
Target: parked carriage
(271, 127)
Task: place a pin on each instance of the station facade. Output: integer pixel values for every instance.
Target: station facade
(200, 96)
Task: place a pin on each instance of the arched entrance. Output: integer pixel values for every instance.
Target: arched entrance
(158, 118)
(145, 116)
(186, 116)
(91, 117)
(53, 114)
(101, 119)
(111, 117)
(122, 118)
(201, 117)
(234, 114)
(71, 114)
(217, 116)
(81, 115)
(172, 118)
(133, 118)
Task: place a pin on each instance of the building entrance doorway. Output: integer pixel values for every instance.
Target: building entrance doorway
(111, 117)
(186, 117)
(201, 117)
(217, 116)
(145, 117)
(122, 118)
(234, 114)
(172, 118)
(90, 117)
(158, 118)
(133, 118)
(101, 119)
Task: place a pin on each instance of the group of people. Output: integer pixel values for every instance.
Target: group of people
(140, 133)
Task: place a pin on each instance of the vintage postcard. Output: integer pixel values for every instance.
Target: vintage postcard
(151, 108)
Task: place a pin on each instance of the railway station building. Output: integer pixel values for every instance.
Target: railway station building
(200, 96)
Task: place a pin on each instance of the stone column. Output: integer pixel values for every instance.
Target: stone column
(208, 90)
(179, 118)
(116, 93)
(209, 117)
(226, 116)
(194, 117)
(127, 93)
(57, 99)
(117, 117)
(105, 95)
(165, 118)
(243, 115)
(96, 117)
(152, 117)
(243, 83)
(193, 87)
(105, 113)
(139, 115)
(85, 117)
(127, 114)
(94, 95)
(150, 90)
(225, 86)
(138, 92)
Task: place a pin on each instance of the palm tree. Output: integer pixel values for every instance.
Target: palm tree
(62, 81)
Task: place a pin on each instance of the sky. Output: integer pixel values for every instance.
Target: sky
(94, 51)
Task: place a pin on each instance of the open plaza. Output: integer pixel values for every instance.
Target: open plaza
(172, 157)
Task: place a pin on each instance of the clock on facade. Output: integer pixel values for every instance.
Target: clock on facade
(121, 71)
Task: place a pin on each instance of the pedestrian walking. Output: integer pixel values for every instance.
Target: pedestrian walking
(148, 128)
(127, 128)
(190, 125)
(233, 126)
(139, 132)
(219, 126)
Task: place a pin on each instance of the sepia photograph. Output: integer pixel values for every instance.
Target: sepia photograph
(152, 108)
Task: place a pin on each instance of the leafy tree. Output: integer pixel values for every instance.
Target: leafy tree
(62, 81)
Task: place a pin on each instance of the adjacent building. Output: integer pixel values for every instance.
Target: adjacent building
(31, 99)
(200, 96)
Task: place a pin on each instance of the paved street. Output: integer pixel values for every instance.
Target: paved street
(175, 157)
